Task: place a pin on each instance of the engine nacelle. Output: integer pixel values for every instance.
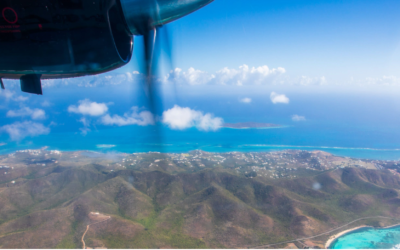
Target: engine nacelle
(64, 38)
(157, 12)
(47, 39)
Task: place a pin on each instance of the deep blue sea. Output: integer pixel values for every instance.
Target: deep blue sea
(360, 125)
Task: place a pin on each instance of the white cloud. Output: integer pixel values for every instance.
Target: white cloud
(134, 117)
(245, 100)
(53, 124)
(84, 121)
(277, 98)
(86, 107)
(308, 81)
(10, 95)
(191, 76)
(20, 98)
(247, 76)
(38, 114)
(384, 81)
(226, 76)
(183, 118)
(35, 114)
(241, 76)
(46, 104)
(86, 125)
(176, 118)
(298, 118)
(19, 130)
(7, 94)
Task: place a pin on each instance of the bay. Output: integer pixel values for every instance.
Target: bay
(369, 238)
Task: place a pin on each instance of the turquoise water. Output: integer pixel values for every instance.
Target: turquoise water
(369, 238)
(358, 126)
(349, 142)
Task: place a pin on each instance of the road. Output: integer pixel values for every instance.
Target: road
(87, 228)
(330, 231)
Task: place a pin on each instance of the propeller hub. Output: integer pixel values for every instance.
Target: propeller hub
(143, 15)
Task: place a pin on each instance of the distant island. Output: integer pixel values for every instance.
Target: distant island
(247, 125)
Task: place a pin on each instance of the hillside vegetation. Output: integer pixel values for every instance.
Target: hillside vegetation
(182, 208)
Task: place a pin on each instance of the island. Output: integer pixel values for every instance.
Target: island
(249, 125)
(196, 199)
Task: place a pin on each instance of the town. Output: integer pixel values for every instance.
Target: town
(288, 164)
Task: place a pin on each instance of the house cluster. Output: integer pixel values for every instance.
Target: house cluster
(33, 152)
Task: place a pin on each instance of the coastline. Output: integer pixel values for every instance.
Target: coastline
(244, 148)
(272, 127)
(334, 237)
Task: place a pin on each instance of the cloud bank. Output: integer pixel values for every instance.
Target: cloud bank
(35, 114)
(241, 76)
(277, 98)
(191, 77)
(19, 130)
(248, 76)
(244, 75)
(179, 118)
(10, 95)
(86, 107)
(310, 81)
(134, 117)
(383, 81)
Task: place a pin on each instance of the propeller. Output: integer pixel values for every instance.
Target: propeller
(158, 41)
(155, 39)
(148, 19)
(165, 40)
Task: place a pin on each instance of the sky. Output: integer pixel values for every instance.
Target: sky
(281, 61)
(347, 42)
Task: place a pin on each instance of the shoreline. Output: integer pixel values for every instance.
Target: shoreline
(342, 233)
(245, 148)
(334, 237)
(272, 127)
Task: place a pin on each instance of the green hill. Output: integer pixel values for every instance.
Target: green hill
(209, 207)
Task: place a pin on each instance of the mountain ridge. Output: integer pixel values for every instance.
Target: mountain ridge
(211, 207)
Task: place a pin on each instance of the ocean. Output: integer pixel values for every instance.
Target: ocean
(359, 125)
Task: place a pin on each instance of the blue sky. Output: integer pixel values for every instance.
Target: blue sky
(271, 60)
(335, 39)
